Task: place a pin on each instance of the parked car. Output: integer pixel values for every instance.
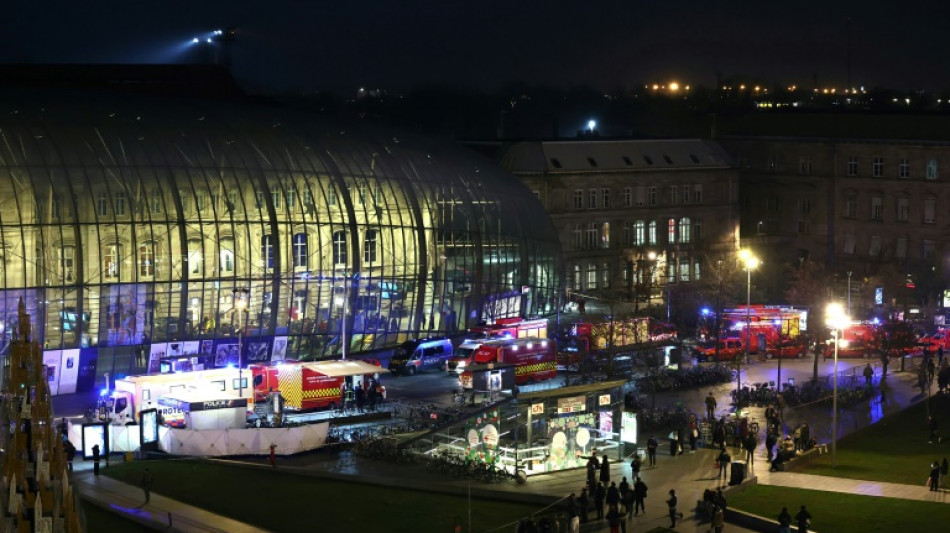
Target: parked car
(787, 349)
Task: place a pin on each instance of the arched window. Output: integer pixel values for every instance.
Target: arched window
(369, 246)
(299, 247)
(267, 251)
(685, 230)
(339, 248)
(146, 259)
(195, 263)
(227, 256)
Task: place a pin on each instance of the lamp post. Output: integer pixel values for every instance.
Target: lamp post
(345, 299)
(240, 306)
(837, 320)
(651, 257)
(750, 262)
(849, 293)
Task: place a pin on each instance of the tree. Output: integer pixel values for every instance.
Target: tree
(809, 287)
(720, 287)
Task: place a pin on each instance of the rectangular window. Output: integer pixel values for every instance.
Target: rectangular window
(852, 166)
(227, 256)
(331, 195)
(686, 194)
(627, 197)
(697, 270)
(639, 233)
(930, 210)
(698, 229)
(641, 196)
(370, 245)
(592, 199)
(803, 227)
(900, 248)
(233, 201)
(851, 207)
(674, 195)
(147, 260)
(592, 236)
(652, 195)
(605, 276)
(605, 235)
(259, 200)
(626, 233)
(200, 203)
(804, 166)
(118, 204)
(929, 247)
(605, 198)
(697, 194)
(877, 208)
(903, 209)
(155, 203)
(592, 276)
(903, 169)
(67, 264)
(291, 198)
(875, 249)
(651, 233)
(102, 204)
(339, 248)
(804, 206)
(267, 251)
(849, 244)
(671, 230)
(299, 250)
(110, 261)
(932, 169)
(578, 199)
(194, 258)
(578, 236)
(184, 197)
(685, 230)
(275, 197)
(877, 168)
(684, 269)
(307, 201)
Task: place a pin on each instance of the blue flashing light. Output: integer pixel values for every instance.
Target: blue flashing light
(195, 40)
(103, 392)
(705, 311)
(208, 39)
(876, 321)
(231, 366)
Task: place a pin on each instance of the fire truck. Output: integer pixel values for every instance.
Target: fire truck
(307, 386)
(587, 338)
(513, 328)
(534, 359)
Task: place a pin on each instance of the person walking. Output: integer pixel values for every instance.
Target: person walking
(674, 514)
(147, 484)
(627, 498)
(95, 459)
(583, 504)
(623, 486)
(360, 395)
(770, 441)
(652, 445)
(724, 461)
(70, 454)
(592, 466)
(784, 521)
(639, 494)
(711, 407)
(613, 518)
(749, 445)
(573, 516)
(934, 481)
(605, 470)
(636, 464)
(868, 374)
(803, 518)
(613, 494)
(599, 498)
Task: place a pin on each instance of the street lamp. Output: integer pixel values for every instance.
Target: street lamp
(240, 306)
(651, 257)
(343, 301)
(750, 262)
(837, 320)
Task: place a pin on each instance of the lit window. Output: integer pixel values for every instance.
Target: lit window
(67, 264)
(299, 249)
(639, 233)
(267, 251)
(685, 227)
(110, 261)
(671, 230)
(369, 246)
(147, 259)
(195, 263)
(605, 235)
(227, 256)
(592, 276)
(651, 233)
(605, 276)
(339, 248)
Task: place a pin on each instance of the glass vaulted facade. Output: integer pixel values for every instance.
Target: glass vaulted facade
(146, 234)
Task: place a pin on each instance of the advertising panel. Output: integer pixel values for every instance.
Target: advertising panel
(124, 314)
(93, 434)
(51, 361)
(279, 352)
(68, 371)
(606, 422)
(149, 427)
(628, 427)
(571, 404)
(88, 359)
(156, 352)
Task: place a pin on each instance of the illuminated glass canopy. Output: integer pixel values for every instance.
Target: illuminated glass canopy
(130, 222)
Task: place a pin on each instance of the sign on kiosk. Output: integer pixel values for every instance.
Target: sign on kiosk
(603, 399)
(572, 404)
(537, 408)
(628, 427)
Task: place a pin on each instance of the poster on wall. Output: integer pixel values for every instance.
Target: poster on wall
(88, 359)
(124, 314)
(191, 347)
(156, 352)
(279, 352)
(68, 371)
(207, 347)
(225, 355)
(92, 435)
(257, 351)
(628, 427)
(482, 433)
(571, 440)
(51, 362)
(606, 423)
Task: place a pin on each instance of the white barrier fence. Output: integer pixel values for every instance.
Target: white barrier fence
(214, 442)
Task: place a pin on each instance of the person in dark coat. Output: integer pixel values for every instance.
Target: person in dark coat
(613, 495)
(605, 470)
(674, 443)
(934, 476)
(804, 519)
(583, 504)
(681, 439)
(599, 498)
(639, 494)
(652, 445)
(592, 466)
(627, 497)
(95, 459)
(784, 521)
(749, 446)
(770, 441)
(623, 486)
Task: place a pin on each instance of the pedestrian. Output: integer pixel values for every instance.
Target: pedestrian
(70, 454)
(652, 445)
(718, 519)
(749, 445)
(613, 494)
(592, 466)
(693, 436)
(770, 441)
(360, 397)
(605, 470)
(720, 500)
(636, 464)
(680, 439)
(583, 504)
(934, 479)
(868, 374)
(885, 361)
(639, 494)
(933, 429)
(724, 460)
(674, 514)
(95, 459)
(627, 498)
(613, 518)
(674, 444)
(599, 498)
(806, 436)
(798, 437)
(573, 516)
(804, 520)
(147, 484)
(931, 370)
(784, 521)
(711, 407)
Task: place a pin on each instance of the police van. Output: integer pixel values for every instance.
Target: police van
(422, 354)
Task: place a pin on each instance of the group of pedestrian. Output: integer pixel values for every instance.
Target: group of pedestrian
(363, 399)
(605, 498)
(938, 470)
(802, 520)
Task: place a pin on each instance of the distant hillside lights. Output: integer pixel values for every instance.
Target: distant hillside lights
(672, 87)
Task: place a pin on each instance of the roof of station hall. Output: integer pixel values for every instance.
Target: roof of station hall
(576, 156)
(195, 116)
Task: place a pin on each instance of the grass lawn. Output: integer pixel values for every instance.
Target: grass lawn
(894, 449)
(284, 502)
(843, 513)
(99, 520)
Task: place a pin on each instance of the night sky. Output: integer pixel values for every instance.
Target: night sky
(398, 44)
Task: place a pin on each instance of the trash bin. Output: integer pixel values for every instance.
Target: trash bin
(738, 473)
